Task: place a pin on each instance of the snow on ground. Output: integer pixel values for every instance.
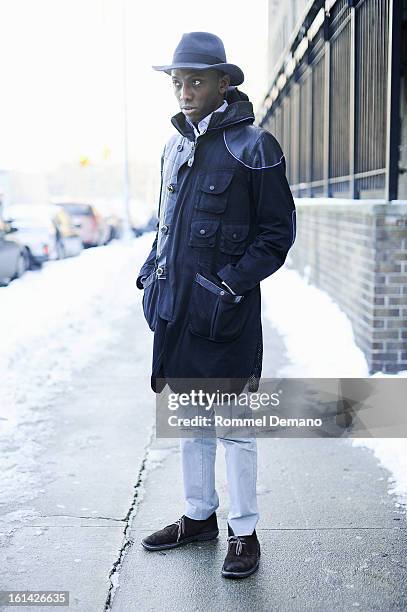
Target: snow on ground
(317, 334)
(54, 322)
(320, 343)
(392, 454)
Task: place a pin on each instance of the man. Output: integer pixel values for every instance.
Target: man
(226, 222)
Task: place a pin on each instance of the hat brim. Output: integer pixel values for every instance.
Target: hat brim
(235, 73)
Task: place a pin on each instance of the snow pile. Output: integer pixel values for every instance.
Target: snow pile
(54, 322)
(392, 454)
(317, 334)
(320, 343)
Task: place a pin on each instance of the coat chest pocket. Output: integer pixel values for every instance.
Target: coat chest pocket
(233, 238)
(213, 191)
(203, 233)
(150, 299)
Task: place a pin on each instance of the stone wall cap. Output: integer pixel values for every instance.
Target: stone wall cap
(374, 206)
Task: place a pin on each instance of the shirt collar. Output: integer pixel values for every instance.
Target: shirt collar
(203, 124)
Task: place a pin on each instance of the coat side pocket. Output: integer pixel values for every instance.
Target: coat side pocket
(216, 314)
(150, 299)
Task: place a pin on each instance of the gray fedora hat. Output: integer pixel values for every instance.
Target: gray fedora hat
(202, 50)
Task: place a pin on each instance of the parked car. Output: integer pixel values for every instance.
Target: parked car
(69, 234)
(115, 224)
(35, 231)
(114, 221)
(13, 255)
(46, 231)
(92, 227)
(150, 226)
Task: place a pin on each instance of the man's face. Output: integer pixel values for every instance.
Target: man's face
(199, 92)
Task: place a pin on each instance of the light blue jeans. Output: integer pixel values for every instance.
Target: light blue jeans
(198, 456)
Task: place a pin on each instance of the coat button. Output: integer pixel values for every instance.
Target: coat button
(164, 229)
(160, 270)
(171, 188)
(222, 293)
(234, 236)
(202, 231)
(211, 187)
(180, 147)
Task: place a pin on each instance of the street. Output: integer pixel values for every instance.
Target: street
(85, 479)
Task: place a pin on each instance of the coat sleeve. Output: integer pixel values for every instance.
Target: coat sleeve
(149, 264)
(275, 219)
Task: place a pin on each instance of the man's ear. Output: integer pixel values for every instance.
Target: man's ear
(224, 82)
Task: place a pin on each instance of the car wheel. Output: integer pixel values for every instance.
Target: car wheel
(30, 262)
(60, 250)
(27, 259)
(21, 266)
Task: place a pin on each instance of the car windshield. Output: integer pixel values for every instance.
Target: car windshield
(30, 223)
(27, 212)
(77, 209)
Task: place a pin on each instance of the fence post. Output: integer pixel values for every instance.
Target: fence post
(352, 104)
(393, 101)
(327, 106)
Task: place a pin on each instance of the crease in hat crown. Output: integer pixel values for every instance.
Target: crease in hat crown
(200, 51)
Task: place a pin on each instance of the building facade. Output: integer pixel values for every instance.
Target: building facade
(337, 103)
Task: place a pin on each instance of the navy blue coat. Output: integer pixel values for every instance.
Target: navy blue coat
(232, 219)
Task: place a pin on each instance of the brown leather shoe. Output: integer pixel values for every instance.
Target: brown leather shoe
(183, 531)
(243, 556)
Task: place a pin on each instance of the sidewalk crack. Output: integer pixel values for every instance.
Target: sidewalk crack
(104, 518)
(127, 542)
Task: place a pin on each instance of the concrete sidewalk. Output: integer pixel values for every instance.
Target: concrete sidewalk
(67, 529)
(331, 535)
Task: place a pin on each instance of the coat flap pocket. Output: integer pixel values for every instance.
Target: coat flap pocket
(203, 233)
(235, 232)
(204, 229)
(215, 182)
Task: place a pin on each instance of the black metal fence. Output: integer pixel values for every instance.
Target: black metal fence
(336, 114)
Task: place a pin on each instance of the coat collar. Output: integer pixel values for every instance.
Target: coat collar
(237, 112)
(203, 124)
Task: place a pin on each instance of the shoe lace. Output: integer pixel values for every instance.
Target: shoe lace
(181, 527)
(239, 543)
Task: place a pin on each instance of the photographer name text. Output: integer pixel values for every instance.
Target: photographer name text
(270, 420)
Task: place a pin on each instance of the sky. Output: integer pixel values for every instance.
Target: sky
(62, 74)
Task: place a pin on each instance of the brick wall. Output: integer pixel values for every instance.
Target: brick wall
(357, 252)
